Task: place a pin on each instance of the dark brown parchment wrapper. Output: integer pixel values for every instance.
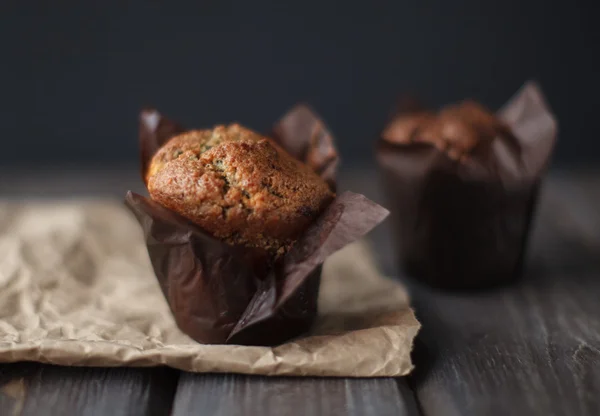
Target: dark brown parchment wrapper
(465, 225)
(220, 293)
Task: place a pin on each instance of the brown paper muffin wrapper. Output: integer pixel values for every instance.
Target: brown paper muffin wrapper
(231, 294)
(465, 225)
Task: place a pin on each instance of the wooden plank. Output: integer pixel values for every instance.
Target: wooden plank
(36, 389)
(14, 380)
(246, 395)
(529, 349)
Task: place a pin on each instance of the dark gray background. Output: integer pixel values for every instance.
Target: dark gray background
(74, 75)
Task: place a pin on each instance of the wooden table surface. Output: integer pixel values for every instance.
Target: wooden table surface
(529, 349)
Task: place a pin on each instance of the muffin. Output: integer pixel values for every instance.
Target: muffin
(237, 185)
(462, 184)
(461, 130)
(238, 225)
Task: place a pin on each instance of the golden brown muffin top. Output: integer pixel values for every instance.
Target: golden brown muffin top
(237, 185)
(457, 129)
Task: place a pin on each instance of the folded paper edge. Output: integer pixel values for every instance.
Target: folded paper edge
(336, 239)
(351, 204)
(319, 136)
(149, 123)
(529, 107)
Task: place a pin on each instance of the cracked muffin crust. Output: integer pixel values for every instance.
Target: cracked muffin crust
(237, 185)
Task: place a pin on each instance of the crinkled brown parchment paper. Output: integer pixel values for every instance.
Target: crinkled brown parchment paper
(77, 288)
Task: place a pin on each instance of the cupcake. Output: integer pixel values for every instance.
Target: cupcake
(238, 224)
(462, 183)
